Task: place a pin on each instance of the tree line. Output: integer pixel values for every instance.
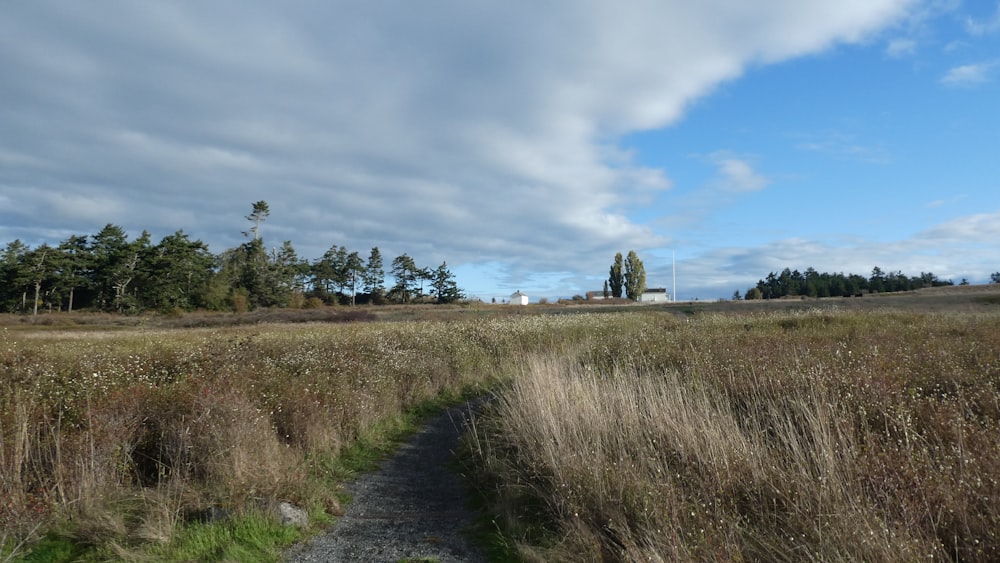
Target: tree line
(815, 284)
(108, 272)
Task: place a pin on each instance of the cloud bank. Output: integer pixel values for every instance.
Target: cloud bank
(480, 133)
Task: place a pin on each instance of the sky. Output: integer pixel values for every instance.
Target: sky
(523, 143)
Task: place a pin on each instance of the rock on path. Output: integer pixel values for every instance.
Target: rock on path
(414, 507)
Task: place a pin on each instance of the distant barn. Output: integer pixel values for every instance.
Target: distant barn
(518, 298)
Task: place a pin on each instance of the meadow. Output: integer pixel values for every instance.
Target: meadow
(811, 435)
(821, 432)
(115, 440)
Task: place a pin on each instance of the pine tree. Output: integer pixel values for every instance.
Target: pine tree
(257, 216)
(405, 271)
(443, 285)
(374, 277)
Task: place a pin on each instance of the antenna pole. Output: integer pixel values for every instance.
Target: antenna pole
(673, 272)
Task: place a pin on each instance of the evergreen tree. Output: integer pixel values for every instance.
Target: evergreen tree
(443, 285)
(405, 271)
(128, 295)
(39, 267)
(259, 213)
(877, 280)
(374, 278)
(13, 276)
(249, 264)
(74, 263)
(326, 273)
(180, 270)
(285, 276)
(354, 269)
(109, 250)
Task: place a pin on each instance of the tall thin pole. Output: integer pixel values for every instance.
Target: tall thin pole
(673, 272)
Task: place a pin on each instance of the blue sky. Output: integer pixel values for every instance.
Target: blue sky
(849, 158)
(524, 146)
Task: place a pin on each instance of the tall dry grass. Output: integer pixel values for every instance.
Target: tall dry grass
(118, 437)
(803, 436)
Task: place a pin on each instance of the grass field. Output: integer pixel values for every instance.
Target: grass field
(824, 429)
(826, 435)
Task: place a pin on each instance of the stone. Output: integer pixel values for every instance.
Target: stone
(292, 515)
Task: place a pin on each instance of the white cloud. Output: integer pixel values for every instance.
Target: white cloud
(953, 249)
(476, 132)
(843, 145)
(898, 48)
(735, 174)
(984, 227)
(970, 74)
(979, 27)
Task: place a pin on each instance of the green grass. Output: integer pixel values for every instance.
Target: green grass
(52, 548)
(254, 537)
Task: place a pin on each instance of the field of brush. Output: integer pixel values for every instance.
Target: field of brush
(813, 430)
(799, 435)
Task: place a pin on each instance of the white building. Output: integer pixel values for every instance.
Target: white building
(655, 295)
(518, 298)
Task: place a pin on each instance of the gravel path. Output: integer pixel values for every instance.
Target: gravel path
(414, 507)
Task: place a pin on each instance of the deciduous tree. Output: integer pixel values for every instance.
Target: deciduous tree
(616, 279)
(635, 276)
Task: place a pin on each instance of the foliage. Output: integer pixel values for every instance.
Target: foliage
(256, 217)
(374, 276)
(443, 285)
(407, 278)
(635, 276)
(616, 279)
(814, 284)
(108, 272)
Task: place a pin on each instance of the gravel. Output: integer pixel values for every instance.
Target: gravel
(414, 507)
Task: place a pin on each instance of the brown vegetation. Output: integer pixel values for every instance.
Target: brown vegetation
(809, 435)
(662, 431)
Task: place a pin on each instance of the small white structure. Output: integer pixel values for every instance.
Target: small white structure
(518, 298)
(655, 295)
